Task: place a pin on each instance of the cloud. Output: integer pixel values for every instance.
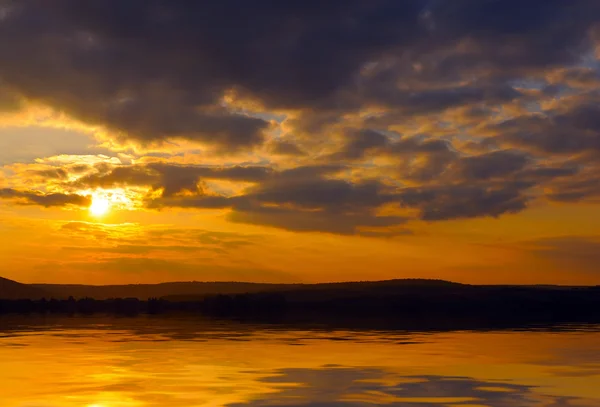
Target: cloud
(582, 189)
(159, 70)
(424, 102)
(46, 200)
(324, 198)
(304, 199)
(359, 143)
(496, 164)
(315, 192)
(584, 77)
(300, 199)
(445, 184)
(223, 129)
(285, 147)
(339, 223)
(466, 200)
(377, 113)
(561, 132)
(419, 158)
(170, 178)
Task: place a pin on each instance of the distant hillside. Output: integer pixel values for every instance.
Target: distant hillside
(194, 291)
(185, 291)
(144, 291)
(327, 291)
(11, 290)
(404, 303)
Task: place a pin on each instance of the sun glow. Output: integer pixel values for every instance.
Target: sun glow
(99, 206)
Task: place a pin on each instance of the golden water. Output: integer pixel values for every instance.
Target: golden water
(187, 362)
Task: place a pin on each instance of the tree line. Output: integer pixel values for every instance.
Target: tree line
(509, 303)
(211, 305)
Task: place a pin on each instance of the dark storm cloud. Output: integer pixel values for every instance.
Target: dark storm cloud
(171, 178)
(127, 175)
(584, 187)
(223, 129)
(317, 193)
(310, 198)
(306, 221)
(541, 173)
(576, 130)
(319, 198)
(306, 199)
(492, 165)
(158, 69)
(439, 160)
(285, 147)
(513, 36)
(360, 143)
(421, 144)
(577, 77)
(303, 216)
(299, 199)
(420, 158)
(466, 200)
(234, 173)
(441, 165)
(46, 200)
(425, 102)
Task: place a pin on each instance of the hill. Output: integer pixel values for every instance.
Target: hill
(186, 291)
(144, 291)
(400, 303)
(329, 291)
(11, 290)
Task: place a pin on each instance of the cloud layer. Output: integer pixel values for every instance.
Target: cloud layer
(347, 117)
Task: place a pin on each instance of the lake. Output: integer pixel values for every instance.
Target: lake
(188, 362)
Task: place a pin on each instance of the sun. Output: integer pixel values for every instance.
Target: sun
(99, 206)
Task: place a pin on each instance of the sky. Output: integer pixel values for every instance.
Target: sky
(300, 141)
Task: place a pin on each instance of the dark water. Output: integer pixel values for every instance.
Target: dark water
(145, 362)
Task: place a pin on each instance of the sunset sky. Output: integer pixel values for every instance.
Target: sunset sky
(144, 141)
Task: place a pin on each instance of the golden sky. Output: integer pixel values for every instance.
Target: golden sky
(166, 141)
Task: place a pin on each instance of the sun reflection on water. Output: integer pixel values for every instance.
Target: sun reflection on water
(143, 362)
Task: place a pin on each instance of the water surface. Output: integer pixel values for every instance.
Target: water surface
(188, 362)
